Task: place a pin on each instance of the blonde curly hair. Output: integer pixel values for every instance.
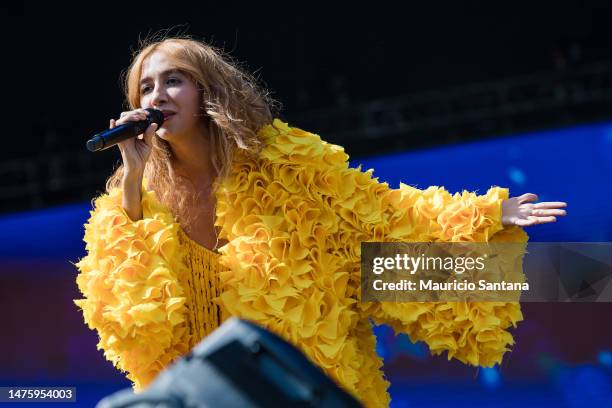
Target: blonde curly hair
(234, 108)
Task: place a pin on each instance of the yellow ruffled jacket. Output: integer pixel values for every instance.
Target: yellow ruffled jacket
(294, 219)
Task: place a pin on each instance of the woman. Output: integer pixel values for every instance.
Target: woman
(286, 215)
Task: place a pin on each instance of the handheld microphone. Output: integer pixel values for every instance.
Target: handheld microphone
(111, 137)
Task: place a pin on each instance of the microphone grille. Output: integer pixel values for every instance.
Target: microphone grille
(156, 116)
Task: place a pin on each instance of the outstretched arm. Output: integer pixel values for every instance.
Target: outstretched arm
(472, 332)
(434, 214)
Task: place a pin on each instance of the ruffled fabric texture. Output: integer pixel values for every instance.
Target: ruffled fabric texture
(435, 215)
(475, 333)
(295, 219)
(130, 280)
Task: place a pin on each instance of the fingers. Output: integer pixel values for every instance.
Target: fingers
(530, 197)
(540, 213)
(551, 204)
(527, 197)
(132, 116)
(544, 220)
(548, 212)
(524, 223)
(149, 133)
(125, 113)
(534, 221)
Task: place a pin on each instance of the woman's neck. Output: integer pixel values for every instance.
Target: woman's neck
(192, 159)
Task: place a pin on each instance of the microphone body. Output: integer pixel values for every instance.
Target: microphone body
(111, 137)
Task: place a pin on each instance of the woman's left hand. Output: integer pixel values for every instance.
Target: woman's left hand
(522, 211)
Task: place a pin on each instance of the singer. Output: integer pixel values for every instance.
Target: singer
(224, 210)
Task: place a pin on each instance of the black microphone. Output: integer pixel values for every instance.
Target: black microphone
(111, 137)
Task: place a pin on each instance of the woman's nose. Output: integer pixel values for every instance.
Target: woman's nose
(159, 95)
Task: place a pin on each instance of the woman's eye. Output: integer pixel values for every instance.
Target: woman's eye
(169, 81)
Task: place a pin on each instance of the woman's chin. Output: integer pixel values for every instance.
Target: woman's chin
(165, 134)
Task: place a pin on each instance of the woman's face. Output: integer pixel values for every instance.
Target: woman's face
(165, 88)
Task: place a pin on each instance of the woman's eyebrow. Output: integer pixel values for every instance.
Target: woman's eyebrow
(163, 73)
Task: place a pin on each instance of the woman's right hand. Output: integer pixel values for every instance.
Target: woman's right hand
(135, 151)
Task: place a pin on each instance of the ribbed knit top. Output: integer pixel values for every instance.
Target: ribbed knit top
(202, 287)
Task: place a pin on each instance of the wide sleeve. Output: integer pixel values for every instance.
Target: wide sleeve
(434, 214)
(475, 333)
(130, 282)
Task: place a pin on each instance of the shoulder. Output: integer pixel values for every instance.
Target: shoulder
(285, 144)
(300, 162)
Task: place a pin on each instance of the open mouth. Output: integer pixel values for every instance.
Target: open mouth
(168, 116)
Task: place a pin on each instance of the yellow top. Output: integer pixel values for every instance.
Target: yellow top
(203, 286)
(294, 219)
(149, 288)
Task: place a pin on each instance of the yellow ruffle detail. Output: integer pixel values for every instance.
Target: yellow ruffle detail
(294, 220)
(474, 332)
(130, 283)
(435, 215)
